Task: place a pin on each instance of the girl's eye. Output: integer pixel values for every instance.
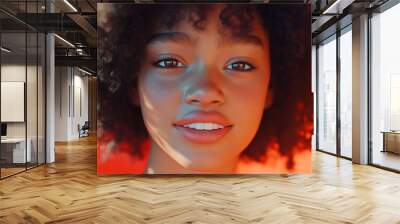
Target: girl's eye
(168, 63)
(240, 66)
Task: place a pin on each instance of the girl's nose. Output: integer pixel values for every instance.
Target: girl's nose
(204, 90)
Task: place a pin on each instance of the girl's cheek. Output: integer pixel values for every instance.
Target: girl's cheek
(157, 90)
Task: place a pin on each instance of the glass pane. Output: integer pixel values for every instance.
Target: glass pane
(386, 89)
(23, 87)
(327, 96)
(346, 94)
(13, 88)
(314, 89)
(31, 100)
(31, 86)
(41, 98)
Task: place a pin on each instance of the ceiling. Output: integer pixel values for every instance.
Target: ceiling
(76, 24)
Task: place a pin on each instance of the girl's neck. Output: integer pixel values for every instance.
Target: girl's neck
(161, 162)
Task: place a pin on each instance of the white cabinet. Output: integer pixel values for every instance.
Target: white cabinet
(391, 142)
(17, 148)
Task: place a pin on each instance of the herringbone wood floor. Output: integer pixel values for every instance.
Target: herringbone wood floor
(70, 191)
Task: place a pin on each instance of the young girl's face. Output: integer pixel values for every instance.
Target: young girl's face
(202, 92)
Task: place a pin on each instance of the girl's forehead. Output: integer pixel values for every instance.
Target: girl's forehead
(236, 19)
(219, 21)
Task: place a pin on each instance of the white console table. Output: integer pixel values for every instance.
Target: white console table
(17, 147)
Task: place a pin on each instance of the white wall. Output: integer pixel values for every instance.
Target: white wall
(16, 73)
(71, 93)
(80, 110)
(33, 126)
(61, 103)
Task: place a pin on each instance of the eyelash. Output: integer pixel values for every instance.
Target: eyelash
(241, 66)
(168, 63)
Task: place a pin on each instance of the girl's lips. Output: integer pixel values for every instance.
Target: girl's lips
(202, 134)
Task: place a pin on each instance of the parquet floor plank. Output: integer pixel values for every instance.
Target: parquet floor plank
(70, 191)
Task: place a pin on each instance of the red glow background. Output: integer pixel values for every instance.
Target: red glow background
(122, 161)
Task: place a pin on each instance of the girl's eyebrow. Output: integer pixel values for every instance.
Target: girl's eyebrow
(178, 37)
(245, 39)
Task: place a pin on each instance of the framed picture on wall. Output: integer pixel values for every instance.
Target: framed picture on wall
(12, 101)
(204, 88)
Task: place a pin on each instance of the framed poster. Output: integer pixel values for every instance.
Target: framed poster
(204, 88)
(12, 101)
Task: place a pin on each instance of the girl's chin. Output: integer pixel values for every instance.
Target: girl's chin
(206, 168)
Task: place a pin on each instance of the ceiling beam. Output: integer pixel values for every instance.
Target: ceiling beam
(83, 61)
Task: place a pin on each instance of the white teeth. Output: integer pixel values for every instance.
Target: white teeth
(204, 126)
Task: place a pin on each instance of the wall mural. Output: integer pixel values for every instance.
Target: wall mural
(204, 88)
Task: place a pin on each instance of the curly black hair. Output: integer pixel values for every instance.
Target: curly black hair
(128, 28)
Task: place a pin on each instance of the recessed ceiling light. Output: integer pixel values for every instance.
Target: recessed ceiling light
(70, 5)
(84, 71)
(337, 7)
(65, 41)
(5, 50)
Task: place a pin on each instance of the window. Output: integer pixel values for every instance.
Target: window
(385, 88)
(327, 95)
(346, 92)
